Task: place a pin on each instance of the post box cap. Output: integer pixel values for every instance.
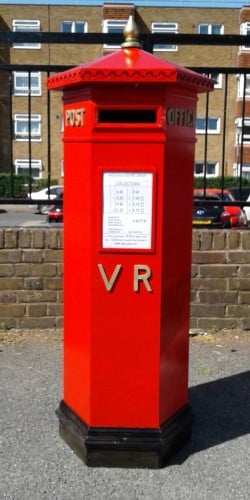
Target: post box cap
(131, 33)
(130, 64)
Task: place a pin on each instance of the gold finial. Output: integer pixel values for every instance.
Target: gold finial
(131, 33)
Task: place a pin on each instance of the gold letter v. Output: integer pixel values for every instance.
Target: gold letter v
(109, 283)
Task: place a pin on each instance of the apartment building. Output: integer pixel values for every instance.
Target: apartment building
(24, 97)
(242, 118)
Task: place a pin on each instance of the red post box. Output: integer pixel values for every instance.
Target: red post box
(129, 140)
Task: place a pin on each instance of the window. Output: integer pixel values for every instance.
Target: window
(62, 168)
(210, 29)
(23, 167)
(62, 123)
(244, 85)
(165, 28)
(242, 132)
(243, 170)
(211, 125)
(74, 27)
(27, 127)
(217, 77)
(246, 131)
(245, 30)
(211, 170)
(27, 83)
(113, 26)
(24, 26)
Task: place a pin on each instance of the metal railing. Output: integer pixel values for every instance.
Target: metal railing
(148, 41)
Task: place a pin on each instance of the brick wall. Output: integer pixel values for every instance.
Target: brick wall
(116, 11)
(31, 279)
(220, 292)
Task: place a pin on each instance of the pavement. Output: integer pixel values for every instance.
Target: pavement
(37, 465)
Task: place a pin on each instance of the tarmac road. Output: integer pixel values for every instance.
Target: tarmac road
(21, 215)
(37, 465)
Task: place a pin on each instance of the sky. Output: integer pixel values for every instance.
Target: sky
(147, 3)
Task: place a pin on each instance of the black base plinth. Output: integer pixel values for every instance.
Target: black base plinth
(124, 447)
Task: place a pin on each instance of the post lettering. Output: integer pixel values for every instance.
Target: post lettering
(142, 273)
(109, 283)
(74, 117)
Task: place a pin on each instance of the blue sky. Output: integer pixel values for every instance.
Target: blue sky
(167, 3)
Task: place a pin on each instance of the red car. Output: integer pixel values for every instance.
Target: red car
(237, 218)
(55, 212)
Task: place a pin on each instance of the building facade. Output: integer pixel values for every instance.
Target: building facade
(242, 115)
(24, 102)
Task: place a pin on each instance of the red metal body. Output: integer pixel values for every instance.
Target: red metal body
(126, 306)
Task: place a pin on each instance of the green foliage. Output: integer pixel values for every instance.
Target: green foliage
(4, 185)
(16, 187)
(217, 182)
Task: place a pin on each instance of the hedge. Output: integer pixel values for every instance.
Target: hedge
(17, 186)
(218, 182)
(13, 185)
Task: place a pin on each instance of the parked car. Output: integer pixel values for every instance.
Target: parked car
(55, 212)
(44, 196)
(243, 194)
(240, 194)
(237, 217)
(207, 213)
(246, 211)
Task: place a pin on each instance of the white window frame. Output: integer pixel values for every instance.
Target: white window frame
(245, 30)
(62, 168)
(73, 26)
(210, 28)
(61, 123)
(207, 129)
(241, 85)
(24, 135)
(244, 171)
(158, 27)
(113, 23)
(24, 164)
(215, 164)
(22, 90)
(239, 138)
(217, 80)
(24, 25)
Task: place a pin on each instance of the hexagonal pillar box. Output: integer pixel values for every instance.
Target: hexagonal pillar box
(129, 140)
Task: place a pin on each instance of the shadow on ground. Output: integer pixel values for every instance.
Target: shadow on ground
(221, 412)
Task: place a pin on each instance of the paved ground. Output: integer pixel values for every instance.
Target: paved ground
(21, 216)
(37, 465)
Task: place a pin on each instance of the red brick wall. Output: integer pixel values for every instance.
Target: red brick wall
(121, 11)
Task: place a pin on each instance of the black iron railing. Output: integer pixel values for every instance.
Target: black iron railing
(148, 41)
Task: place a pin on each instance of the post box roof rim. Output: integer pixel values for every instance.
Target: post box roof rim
(129, 65)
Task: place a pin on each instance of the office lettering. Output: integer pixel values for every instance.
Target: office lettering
(179, 117)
